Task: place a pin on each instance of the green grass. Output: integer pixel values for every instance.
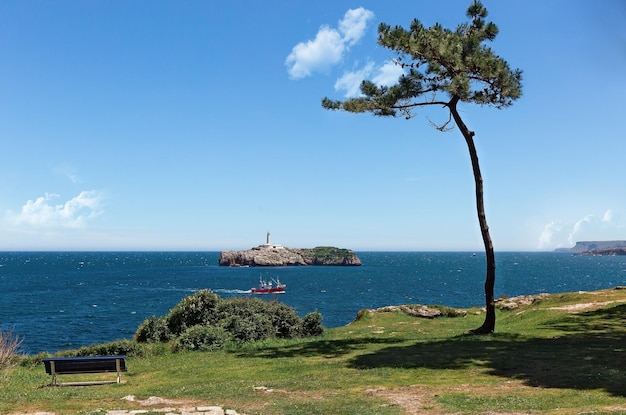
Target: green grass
(544, 358)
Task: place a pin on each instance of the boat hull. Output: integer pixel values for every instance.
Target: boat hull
(273, 290)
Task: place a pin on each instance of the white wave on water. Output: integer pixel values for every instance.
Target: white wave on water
(227, 291)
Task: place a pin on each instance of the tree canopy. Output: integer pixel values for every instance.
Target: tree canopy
(439, 61)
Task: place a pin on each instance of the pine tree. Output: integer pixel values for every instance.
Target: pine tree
(442, 68)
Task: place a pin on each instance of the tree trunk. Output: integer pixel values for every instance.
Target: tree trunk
(490, 319)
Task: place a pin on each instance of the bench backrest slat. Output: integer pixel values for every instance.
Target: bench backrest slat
(90, 364)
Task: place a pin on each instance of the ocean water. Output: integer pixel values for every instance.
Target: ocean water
(64, 300)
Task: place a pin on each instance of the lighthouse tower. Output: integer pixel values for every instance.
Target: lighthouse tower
(268, 243)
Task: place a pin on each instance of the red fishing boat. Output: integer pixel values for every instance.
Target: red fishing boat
(269, 287)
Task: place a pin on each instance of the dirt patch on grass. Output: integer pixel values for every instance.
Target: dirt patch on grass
(417, 399)
(526, 300)
(412, 399)
(584, 306)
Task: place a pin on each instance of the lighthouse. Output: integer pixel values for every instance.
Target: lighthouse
(268, 243)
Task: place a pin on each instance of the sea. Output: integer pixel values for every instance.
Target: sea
(64, 300)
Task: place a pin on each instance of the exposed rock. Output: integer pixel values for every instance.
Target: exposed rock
(589, 246)
(423, 311)
(514, 302)
(280, 256)
(180, 407)
(605, 252)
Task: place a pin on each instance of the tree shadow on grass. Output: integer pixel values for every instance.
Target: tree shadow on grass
(329, 348)
(590, 353)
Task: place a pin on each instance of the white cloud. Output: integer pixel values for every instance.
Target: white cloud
(582, 227)
(44, 213)
(609, 217)
(354, 24)
(351, 81)
(386, 75)
(554, 236)
(316, 55)
(590, 228)
(329, 45)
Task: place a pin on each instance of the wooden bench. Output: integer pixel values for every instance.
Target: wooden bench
(90, 364)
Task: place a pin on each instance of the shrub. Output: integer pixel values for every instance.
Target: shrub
(204, 321)
(192, 310)
(238, 306)
(245, 328)
(254, 319)
(202, 338)
(9, 345)
(119, 347)
(285, 321)
(312, 325)
(153, 329)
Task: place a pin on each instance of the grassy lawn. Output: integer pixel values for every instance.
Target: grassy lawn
(564, 354)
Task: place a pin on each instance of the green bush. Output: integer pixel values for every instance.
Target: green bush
(255, 319)
(312, 325)
(192, 310)
(246, 328)
(153, 329)
(285, 321)
(119, 347)
(244, 318)
(240, 306)
(203, 321)
(202, 338)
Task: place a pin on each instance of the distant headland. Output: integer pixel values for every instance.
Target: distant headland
(274, 255)
(597, 248)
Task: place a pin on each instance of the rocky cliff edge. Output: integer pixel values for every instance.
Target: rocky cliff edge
(596, 247)
(275, 257)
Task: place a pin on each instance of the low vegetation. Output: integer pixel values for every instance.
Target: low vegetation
(324, 255)
(330, 252)
(9, 345)
(557, 354)
(204, 321)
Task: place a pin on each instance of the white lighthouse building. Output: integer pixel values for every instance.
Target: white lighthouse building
(269, 245)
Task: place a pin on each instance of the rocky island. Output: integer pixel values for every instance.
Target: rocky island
(272, 255)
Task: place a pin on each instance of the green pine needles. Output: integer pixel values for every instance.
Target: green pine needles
(440, 65)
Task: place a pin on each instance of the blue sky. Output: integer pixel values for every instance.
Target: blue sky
(197, 125)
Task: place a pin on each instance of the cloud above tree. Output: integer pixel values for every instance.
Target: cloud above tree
(329, 49)
(329, 46)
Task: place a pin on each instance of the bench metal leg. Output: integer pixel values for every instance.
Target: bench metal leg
(53, 373)
(119, 370)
